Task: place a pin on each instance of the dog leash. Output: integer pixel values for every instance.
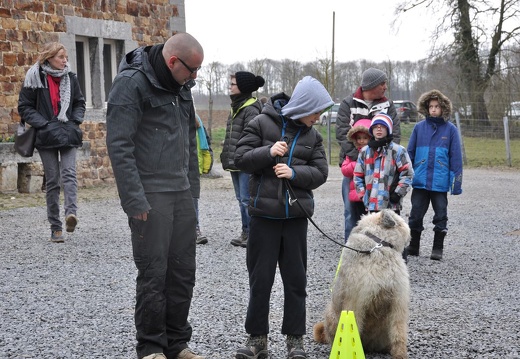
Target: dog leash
(293, 199)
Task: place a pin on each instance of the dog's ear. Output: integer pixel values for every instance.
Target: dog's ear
(387, 218)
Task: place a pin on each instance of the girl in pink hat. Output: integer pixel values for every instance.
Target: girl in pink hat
(359, 136)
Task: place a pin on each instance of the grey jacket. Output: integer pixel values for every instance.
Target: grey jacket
(151, 135)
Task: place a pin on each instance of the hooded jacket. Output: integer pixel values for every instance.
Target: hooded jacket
(349, 164)
(151, 135)
(352, 109)
(381, 171)
(306, 156)
(435, 149)
(35, 108)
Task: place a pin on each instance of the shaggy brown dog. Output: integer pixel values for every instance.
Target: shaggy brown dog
(374, 285)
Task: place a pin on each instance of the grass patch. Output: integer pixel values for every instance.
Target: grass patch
(480, 152)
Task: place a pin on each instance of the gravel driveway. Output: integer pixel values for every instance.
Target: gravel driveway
(75, 300)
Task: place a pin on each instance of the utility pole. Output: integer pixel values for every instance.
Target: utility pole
(333, 95)
(332, 68)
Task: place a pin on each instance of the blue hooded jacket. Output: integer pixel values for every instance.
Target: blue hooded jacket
(435, 150)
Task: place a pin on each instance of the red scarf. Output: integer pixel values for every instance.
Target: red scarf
(54, 91)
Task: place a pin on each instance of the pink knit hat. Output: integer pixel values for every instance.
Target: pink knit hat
(360, 126)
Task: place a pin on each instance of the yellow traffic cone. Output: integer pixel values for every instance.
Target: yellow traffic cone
(347, 343)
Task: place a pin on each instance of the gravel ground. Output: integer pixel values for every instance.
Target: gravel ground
(75, 299)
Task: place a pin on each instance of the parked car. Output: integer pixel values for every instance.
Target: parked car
(330, 115)
(514, 112)
(406, 111)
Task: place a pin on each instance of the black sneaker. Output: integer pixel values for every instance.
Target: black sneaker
(295, 348)
(200, 238)
(255, 348)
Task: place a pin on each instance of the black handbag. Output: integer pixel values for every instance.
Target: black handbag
(25, 136)
(24, 139)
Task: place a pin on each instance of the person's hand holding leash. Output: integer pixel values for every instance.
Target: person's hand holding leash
(283, 171)
(278, 149)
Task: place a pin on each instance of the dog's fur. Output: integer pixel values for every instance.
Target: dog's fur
(374, 286)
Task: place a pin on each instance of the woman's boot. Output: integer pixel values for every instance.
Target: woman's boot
(413, 248)
(438, 246)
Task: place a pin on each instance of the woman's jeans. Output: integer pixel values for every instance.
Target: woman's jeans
(59, 166)
(241, 185)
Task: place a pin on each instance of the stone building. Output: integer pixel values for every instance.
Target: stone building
(96, 34)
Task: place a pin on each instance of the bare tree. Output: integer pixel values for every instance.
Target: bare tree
(481, 29)
(212, 77)
(290, 74)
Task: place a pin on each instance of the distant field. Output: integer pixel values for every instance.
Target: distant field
(479, 152)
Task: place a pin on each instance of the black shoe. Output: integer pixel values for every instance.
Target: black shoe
(241, 241)
(436, 254)
(200, 238)
(413, 251)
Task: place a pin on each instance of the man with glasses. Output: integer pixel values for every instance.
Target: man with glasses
(151, 141)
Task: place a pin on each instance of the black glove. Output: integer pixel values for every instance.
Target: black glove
(394, 197)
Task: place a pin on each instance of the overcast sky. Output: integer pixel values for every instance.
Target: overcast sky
(242, 30)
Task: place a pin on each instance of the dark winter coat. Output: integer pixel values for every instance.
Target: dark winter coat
(35, 108)
(236, 123)
(151, 135)
(306, 156)
(352, 109)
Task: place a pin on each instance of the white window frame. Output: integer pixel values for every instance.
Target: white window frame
(86, 73)
(113, 61)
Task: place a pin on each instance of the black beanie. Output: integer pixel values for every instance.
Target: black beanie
(248, 82)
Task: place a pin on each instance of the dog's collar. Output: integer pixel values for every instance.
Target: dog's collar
(379, 241)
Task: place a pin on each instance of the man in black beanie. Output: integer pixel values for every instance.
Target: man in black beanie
(368, 100)
(244, 107)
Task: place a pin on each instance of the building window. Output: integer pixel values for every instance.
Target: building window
(110, 62)
(96, 73)
(83, 69)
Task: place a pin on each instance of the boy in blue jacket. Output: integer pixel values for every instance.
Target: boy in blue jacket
(435, 151)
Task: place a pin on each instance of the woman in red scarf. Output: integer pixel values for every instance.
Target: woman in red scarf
(51, 101)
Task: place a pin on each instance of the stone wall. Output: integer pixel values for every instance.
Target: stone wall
(26, 26)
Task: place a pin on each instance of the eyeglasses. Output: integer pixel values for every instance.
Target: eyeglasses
(191, 70)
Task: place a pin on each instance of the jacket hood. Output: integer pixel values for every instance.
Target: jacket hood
(133, 59)
(274, 108)
(360, 126)
(309, 97)
(444, 101)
